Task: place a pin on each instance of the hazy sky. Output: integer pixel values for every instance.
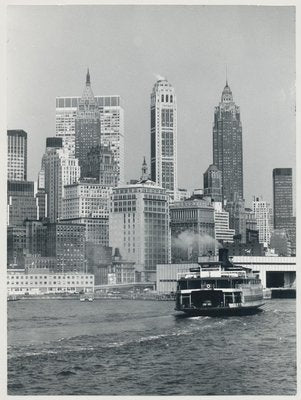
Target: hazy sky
(50, 47)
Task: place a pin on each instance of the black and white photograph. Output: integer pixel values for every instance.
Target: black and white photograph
(150, 188)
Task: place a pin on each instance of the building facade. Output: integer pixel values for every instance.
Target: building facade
(213, 183)
(192, 229)
(102, 165)
(66, 242)
(21, 201)
(283, 203)
(16, 155)
(227, 145)
(61, 168)
(237, 217)
(223, 234)
(21, 283)
(87, 126)
(164, 136)
(264, 220)
(139, 225)
(111, 122)
(88, 203)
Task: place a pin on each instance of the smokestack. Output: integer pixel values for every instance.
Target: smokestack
(223, 257)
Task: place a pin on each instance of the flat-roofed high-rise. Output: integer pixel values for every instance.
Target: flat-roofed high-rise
(16, 155)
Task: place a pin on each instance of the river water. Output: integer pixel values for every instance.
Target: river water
(114, 347)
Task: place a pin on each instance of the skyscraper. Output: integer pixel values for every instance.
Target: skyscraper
(61, 169)
(164, 136)
(87, 125)
(16, 155)
(111, 121)
(227, 145)
(213, 183)
(139, 225)
(283, 196)
(283, 203)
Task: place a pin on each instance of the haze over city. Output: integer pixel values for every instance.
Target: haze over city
(127, 48)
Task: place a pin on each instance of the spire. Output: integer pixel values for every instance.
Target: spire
(144, 175)
(88, 83)
(226, 75)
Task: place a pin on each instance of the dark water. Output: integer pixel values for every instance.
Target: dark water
(109, 347)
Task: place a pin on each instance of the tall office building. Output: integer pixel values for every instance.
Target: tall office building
(111, 123)
(213, 183)
(192, 229)
(21, 202)
(264, 220)
(87, 125)
(227, 145)
(16, 155)
(139, 225)
(283, 203)
(61, 169)
(164, 136)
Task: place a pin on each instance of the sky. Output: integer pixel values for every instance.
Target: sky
(126, 47)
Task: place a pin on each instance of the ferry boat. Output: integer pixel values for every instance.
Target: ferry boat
(219, 288)
(86, 297)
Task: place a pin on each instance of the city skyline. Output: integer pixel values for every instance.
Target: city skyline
(195, 70)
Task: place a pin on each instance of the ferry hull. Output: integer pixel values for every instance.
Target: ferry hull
(221, 311)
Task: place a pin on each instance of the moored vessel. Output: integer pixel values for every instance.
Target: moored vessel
(219, 288)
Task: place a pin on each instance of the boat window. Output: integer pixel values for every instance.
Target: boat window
(223, 283)
(182, 285)
(194, 284)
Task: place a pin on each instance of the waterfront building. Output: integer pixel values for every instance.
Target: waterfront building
(121, 271)
(192, 229)
(21, 202)
(283, 203)
(222, 231)
(87, 125)
(237, 216)
(273, 271)
(16, 245)
(164, 136)
(20, 282)
(61, 168)
(227, 145)
(16, 155)
(280, 242)
(139, 225)
(111, 121)
(87, 202)
(263, 215)
(213, 183)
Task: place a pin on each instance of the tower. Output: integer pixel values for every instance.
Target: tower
(283, 203)
(213, 183)
(16, 155)
(164, 136)
(227, 145)
(87, 125)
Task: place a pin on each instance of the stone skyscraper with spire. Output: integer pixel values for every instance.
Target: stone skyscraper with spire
(87, 125)
(227, 145)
